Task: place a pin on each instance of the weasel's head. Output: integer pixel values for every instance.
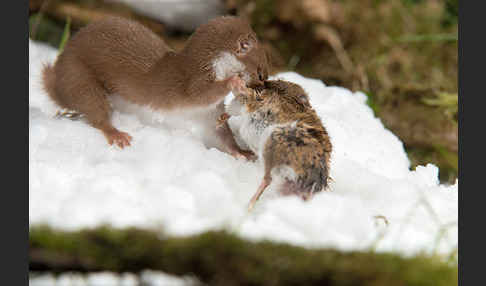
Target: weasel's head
(228, 46)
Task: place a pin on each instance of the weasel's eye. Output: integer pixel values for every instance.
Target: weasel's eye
(244, 46)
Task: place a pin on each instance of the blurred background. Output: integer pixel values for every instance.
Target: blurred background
(401, 53)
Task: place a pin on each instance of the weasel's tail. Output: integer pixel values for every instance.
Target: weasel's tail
(49, 83)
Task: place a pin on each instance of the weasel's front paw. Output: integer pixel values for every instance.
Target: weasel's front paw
(236, 84)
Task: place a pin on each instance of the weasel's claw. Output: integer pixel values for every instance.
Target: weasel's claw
(71, 114)
(121, 139)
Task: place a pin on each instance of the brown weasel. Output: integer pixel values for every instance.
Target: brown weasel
(280, 125)
(121, 57)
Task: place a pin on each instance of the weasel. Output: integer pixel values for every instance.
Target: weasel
(280, 125)
(120, 57)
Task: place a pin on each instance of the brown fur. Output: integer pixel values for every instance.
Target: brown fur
(304, 146)
(119, 56)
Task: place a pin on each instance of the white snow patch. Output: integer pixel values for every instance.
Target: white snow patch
(146, 277)
(182, 14)
(169, 180)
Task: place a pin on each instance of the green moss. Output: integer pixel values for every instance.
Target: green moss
(451, 12)
(439, 156)
(220, 258)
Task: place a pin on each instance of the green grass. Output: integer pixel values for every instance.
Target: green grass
(448, 102)
(65, 35)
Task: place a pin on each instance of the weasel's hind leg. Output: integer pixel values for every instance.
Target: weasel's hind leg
(77, 89)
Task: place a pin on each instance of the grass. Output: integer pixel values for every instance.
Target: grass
(448, 102)
(65, 35)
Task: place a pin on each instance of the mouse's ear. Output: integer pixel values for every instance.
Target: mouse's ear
(303, 100)
(303, 97)
(244, 45)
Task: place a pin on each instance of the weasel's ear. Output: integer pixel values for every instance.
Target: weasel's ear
(245, 44)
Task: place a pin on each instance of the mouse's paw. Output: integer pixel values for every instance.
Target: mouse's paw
(120, 138)
(222, 119)
(244, 154)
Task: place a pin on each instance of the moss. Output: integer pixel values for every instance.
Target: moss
(439, 156)
(220, 258)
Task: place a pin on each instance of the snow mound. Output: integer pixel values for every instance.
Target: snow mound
(168, 179)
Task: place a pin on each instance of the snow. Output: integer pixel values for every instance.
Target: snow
(182, 14)
(168, 180)
(146, 277)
